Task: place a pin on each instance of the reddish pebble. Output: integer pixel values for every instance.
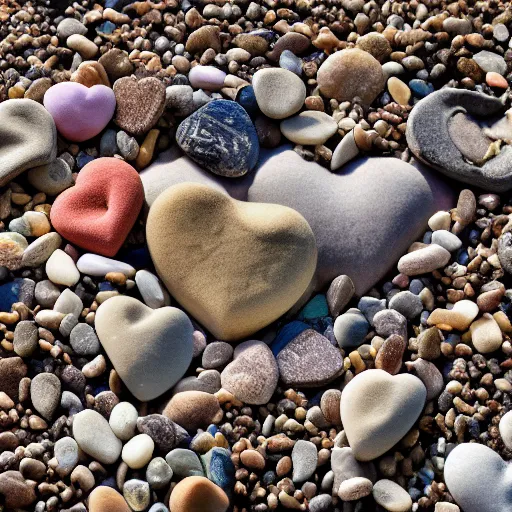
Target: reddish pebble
(496, 80)
(100, 210)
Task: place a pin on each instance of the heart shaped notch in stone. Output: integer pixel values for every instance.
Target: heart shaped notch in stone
(378, 409)
(150, 349)
(235, 266)
(100, 210)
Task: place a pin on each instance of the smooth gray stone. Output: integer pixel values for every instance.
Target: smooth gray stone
(446, 239)
(491, 62)
(478, 479)
(28, 137)
(351, 328)
(346, 466)
(363, 219)
(428, 137)
(406, 303)
(184, 463)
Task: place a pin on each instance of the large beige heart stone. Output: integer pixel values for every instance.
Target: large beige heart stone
(235, 266)
(378, 409)
(150, 349)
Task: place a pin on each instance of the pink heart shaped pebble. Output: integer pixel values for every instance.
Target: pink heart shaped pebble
(80, 112)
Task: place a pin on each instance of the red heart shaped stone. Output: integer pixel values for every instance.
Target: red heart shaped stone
(100, 210)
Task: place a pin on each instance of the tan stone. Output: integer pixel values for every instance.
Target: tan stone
(90, 73)
(235, 266)
(193, 409)
(198, 494)
(106, 499)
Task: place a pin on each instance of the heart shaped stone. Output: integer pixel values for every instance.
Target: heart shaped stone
(100, 210)
(445, 131)
(478, 479)
(236, 267)
(378, 409)
(363, 219)
(80, 112)
(28, 137)
(150, 349)
(140, 103)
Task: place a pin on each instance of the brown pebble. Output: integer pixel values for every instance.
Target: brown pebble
(330, 406)
(389, 356)
(284, 466)
(90, 73)
(203, 38)
(466, 207)
(17, 492)
(193, 409)
(253, 460)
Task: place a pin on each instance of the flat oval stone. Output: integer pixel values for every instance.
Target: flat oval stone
(51, 178)
(424, 260)
(193, 409)
(220, 137)
(123, 420)
(351, 328)
(206, 77)
(99, 266)
(279, 92)
(137, 452)
(253, 374)
(391, 496)
(198, 493)
(28, 137)
(277, 244)
(184, 463)
(304, 458)
(378, 409)
(106, 499)
(148, 369)
(309, 360)
(95, 437)
(309, 127)
(45, 391)
(40, 250)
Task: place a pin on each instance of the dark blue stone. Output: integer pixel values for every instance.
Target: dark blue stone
(180, 80)
(137, 258)
(212, 429)
(222, 469)
(106, 286)
(247, 99)
(116, 4)
(287, 334)
(83, 159)
(462, 257)
(221, 138)
(9, 293)
(269, 477)
(427, 237)
(420, 88)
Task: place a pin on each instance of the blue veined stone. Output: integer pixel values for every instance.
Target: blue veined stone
(247, 99)
(220, 137)
(315, 308)
(287, 334)
(462, 257)
(220, 468)
(212, 429)
(420, 88)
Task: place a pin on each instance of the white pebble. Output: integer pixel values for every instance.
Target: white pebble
(440, 220)
(153, 293)
(123, 420)
(137, 452)
(61, 269)
(99, 266)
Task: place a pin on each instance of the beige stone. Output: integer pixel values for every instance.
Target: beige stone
(310, 127)
(106, 499)
(235, 266)
(193, 409)
(198, 494)
(486, 334)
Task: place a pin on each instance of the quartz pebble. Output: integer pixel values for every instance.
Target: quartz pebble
(123, 420)
(137, 452)
(153, 292)
(96, 265)
(390, 496)
(61, 269)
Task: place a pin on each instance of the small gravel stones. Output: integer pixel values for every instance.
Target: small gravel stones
(140, 103)
(390, 496)
(230, 132)
(304, 459)
(350, 73)
(252, 376)
(95, 437)
(45, 391)
(279, 92)
(309, 360)
(378, 409)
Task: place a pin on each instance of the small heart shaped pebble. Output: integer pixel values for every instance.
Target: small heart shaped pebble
(378, 409)
(100, 210)
(150, 349)
(235, 266)
(80, 112)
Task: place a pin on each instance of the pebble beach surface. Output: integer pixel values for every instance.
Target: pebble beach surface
(255, 256)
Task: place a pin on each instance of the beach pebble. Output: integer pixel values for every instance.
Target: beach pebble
(45, 391)
(279, 92)
(446, 239)
(459, 317)
(137, 452)
(345, 466)
(116, 63)
(99, 266)
(140, 103)
(309, 360)
(95, 437)
(399, 91)
(428, 373)
(486, 334)
(350, 73)
(61, 269)
(69, 26)
(505, 427)
(66, 453)
(40, 250)
(390, 496)
(31, 224)
(320, 503)
(491, 62)
(340, 291)
(137, 494)
(51, 178)
(252, 459)
(389, 356)
(84, 341)
(193, 409)
(184, 463)
(106, 499)
(69, 303)
(12, 247)
(310, 128)
(351, 328)
(25, 338)
(128, 146)
(423, 260)
(158, 473)
(46, 294)
(123, 420)
(12, 370)
(196, 492)
(85, 47)
(165, 433)
(206, 77)
(440, 220)
(151, 289)
(355, 488)
(29, 137)
(253, 374)
(231, 133)
(406, 303)
(378, 409)
(18, 493)
(304, 459)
